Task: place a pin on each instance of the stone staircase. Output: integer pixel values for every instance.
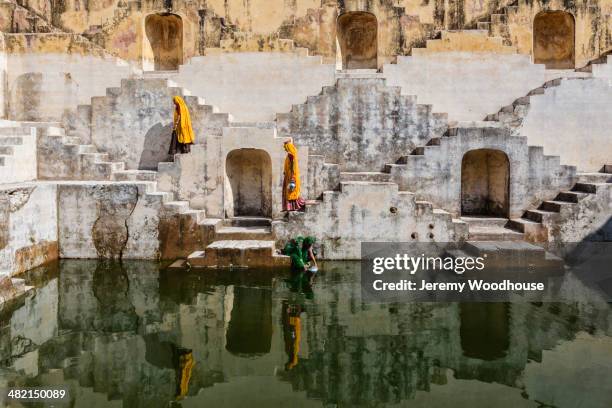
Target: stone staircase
(17, 154)
(237, 242)
(573, 206)
(497, 24)
(420, 170)
(12, 288)
(512, 115)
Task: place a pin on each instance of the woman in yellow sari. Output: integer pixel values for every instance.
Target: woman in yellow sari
(182, 132)
(292, 201)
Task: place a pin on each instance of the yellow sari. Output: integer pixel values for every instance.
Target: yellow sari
(292, 200)
(182, 121)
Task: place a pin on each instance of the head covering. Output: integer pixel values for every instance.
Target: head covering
(184, 131)
(292, 171)
(309, 240)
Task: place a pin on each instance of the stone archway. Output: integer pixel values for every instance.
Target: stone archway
(554, 39)
(249, 183)
(485, 183)
(358, 40)
(165, 35)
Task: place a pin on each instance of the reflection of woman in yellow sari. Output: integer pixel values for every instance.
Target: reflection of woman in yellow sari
(292, 200)
(182, 132)
(292, 331)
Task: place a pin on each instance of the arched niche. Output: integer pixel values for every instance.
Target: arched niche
(554, 35)
(358, 40)
(485, 183)
(164, 32)
(249, 183)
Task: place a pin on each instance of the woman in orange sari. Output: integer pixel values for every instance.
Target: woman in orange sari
(292, 201)
(182, 132)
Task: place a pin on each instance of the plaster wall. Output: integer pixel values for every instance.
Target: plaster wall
(573, 121)
(28, 226)
(104, 220)
(466, 85)
(255, 86)
(51, 74)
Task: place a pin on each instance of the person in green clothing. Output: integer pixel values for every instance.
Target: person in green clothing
(303, 259)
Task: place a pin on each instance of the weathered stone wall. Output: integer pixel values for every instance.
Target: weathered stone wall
(361, 124)
(573, 121)
(103, 220)
(28, 226)
(50, 74)
(235, 25)
(133, 123)
(368, 212)
(254, 87)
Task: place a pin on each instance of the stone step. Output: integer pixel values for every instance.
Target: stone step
(367, 185)
(239, 254)
(494, 233)
(485, 221)
(365, 176)
(247, 221)
(15, 131)
(134, 175)
(553, 206)
(539, 215)
(10, 140)
(585, 188)
(586, 178)
(244, 233)
(570, 196)
(7, 150)
(507, 254)
(177, 207)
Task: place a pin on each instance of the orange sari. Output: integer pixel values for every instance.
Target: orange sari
(292, 200)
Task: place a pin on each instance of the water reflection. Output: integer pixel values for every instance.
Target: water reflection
(131, 335)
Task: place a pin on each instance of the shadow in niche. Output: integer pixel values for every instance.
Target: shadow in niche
(155, 146)
(249, 332)
(485, 330)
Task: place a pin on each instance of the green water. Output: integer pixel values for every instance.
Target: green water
(121, 336)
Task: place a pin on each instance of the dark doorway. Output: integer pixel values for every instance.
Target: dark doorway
(485, 183)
